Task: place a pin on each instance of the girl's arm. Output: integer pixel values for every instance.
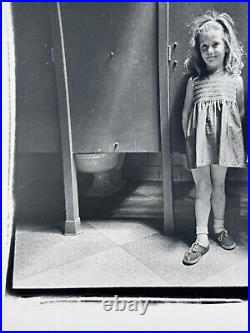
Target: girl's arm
(240, 95)
(187, 105)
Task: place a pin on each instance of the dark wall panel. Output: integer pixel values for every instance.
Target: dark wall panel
(112, 66)
(37, 124)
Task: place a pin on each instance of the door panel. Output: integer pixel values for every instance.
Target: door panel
(37, 122)
(112, 68)
(182, 14)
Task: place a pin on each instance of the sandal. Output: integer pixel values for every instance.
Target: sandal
(193, 255)
(224, 240)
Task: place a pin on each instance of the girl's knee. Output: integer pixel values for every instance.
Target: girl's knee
(218, 188)
(203, 190)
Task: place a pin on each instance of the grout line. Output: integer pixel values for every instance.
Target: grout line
(119, 244)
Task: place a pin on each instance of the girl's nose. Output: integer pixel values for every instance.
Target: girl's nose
(210, 49)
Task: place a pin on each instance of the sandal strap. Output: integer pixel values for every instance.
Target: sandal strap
(196, 247)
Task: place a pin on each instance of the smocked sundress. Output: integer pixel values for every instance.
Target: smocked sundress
(214, 131)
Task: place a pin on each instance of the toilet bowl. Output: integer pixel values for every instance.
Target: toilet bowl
(104, 171)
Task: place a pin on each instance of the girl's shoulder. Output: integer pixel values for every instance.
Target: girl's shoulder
(235, 77)
(237, 80)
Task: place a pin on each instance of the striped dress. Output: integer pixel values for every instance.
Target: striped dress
(214, 131)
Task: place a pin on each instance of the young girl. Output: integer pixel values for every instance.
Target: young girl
(211, 120)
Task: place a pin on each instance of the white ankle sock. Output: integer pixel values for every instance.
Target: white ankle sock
(202, 239)
(201, 230)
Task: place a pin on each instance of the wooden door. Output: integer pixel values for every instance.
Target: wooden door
(182, 14)
(112, 68)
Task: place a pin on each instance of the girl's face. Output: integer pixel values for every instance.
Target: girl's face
(213, 49)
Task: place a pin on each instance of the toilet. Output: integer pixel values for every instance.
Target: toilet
(101, 171)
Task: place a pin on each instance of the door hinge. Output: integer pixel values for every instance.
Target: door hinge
(169, 52)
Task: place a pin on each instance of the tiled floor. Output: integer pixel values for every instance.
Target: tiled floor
(129, 248)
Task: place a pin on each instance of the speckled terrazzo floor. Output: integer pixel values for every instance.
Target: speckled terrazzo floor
(127, 248)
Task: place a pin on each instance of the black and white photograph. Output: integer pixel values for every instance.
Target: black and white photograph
(125, 165)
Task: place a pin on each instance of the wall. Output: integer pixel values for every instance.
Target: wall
(148, 167)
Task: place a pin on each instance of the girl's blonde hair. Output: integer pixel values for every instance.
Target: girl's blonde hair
(194, 63)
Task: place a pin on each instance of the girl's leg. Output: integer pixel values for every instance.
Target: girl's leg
(203, 184)
(218, 200)
(218, 175)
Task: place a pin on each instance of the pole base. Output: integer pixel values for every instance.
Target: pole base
(72, 228)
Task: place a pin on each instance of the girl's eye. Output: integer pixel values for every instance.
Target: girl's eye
(203, 47)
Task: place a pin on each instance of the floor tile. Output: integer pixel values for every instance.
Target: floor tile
(235, 275)
(36, 252)
(110, 268)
